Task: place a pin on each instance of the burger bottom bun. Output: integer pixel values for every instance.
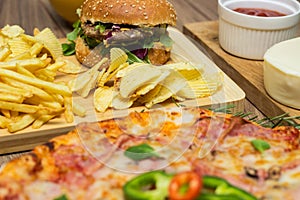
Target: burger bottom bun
(85, 55)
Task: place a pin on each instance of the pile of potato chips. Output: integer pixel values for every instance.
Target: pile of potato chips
(29, 94)
(143, 84)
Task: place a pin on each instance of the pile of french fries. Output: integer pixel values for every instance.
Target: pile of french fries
(29, 93)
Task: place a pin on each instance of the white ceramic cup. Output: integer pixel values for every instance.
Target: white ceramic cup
(249, 36)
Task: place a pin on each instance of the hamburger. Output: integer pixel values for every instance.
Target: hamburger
(137, 26)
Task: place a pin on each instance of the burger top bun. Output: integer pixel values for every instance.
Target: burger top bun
(132, 12)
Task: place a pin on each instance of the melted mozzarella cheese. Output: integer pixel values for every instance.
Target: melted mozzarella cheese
(282, 72)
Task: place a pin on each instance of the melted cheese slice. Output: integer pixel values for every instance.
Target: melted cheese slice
(282, 72)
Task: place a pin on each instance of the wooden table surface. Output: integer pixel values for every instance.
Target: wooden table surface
(31, 14)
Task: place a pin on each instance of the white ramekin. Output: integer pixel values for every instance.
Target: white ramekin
(250, 36)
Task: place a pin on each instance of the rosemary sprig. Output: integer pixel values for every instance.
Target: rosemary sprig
(223, 109)
(270, 122)
(176, 103)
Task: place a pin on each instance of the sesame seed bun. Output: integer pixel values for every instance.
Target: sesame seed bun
(132, 12)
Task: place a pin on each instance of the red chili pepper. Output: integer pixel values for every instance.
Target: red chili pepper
(190, 179)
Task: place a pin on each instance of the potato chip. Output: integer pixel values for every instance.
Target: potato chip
(137, 78)
(148, 87)
(50, 42)
(84, 92)
(103, 97)
(70, 67)
(150, 95)
(12, 31)
(162, 95)
(108, 76)
(79, 110)
(18, 46)
(82, 79)
(201, 87)
(117, 58)
(122, 72)
(120, 102)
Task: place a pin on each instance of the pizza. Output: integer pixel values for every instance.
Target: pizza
(173, 153)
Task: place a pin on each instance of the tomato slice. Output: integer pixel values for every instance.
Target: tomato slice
(191, 180)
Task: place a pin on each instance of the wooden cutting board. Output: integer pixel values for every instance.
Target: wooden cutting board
(229, 93)
(248, 74)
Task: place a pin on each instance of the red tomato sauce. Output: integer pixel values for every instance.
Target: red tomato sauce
(259, 12)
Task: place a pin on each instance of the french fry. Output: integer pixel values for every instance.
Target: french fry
(55, 66)
(14, 114)
(58, 98)
(11, 97)
(22, 56)
(34, 90)
(41, 120)
(32, 64)
(4, 53)
(6, 113)
(45, 74)
(36, 49)
(5, 88)
(24, 71)
(4, 122)
(68, 110)
(36, 31)
(37, 101)
(24, 108)
(49, 86)
(24, 122)
(50, 111)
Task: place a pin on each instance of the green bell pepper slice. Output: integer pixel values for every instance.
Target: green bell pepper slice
(149, 186)
(223, 190)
